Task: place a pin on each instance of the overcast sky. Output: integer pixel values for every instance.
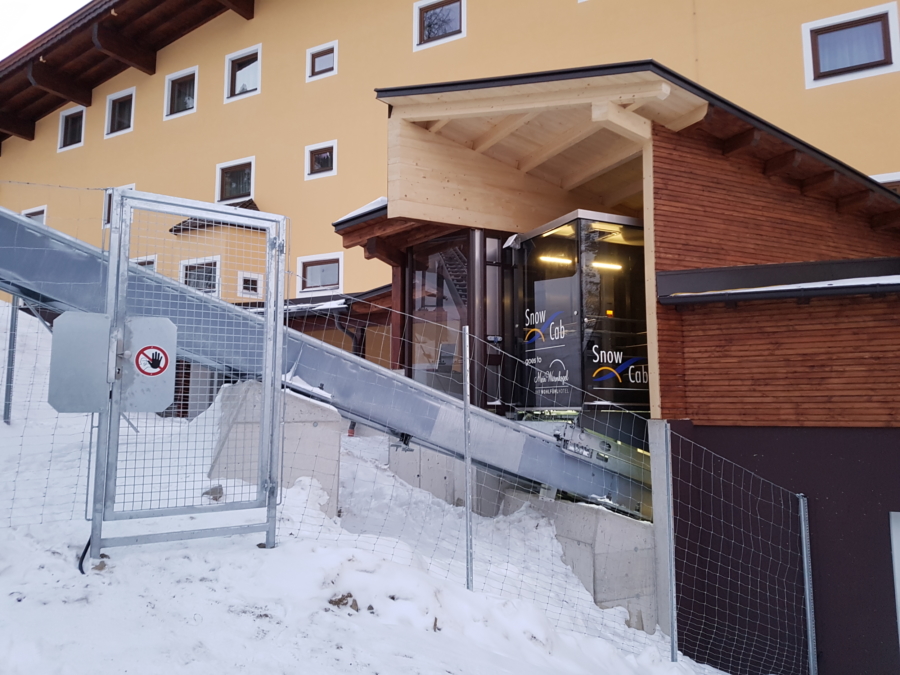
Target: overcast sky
(24, 20)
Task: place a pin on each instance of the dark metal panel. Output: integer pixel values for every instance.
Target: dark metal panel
(716, 282)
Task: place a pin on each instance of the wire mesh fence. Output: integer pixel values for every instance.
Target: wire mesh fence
(204, 449)
(738, 554)
(562, 499)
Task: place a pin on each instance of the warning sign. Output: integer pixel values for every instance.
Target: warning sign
(151, 361)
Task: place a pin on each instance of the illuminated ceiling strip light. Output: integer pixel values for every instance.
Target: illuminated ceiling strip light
(552, 259)
(606, 266)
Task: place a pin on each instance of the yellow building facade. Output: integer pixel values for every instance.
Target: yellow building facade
(757, 55)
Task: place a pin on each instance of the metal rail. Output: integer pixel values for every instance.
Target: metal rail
(59, 271)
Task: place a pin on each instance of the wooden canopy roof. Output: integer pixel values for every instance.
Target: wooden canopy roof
(93, 45)
(570, 128)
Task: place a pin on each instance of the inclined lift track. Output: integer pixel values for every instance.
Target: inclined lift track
(48, 267)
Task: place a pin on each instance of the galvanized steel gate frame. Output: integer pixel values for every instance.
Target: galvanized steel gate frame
(122, 205)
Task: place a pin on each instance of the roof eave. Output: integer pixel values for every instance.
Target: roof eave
(651, 66)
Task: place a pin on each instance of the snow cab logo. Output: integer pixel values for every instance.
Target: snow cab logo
(549, 329)
(631, 369)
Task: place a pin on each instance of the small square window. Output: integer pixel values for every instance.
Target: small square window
(120, 110)
(320, 274)
(236, 181)
(851, 46)
(243, 73)
(322, 62)
(39, 214)
(321, 160)
(147, 262)
(439, 20)
(181, 94)
(249, 285)
(71, 128)
(202, 276)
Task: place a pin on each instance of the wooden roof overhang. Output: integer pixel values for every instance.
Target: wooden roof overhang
(560, 140)
(387, 239)
(91, 46)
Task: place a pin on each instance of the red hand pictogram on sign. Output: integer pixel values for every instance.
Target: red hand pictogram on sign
(151, 361)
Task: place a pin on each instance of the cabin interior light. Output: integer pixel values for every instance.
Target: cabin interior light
(609, 312)
(554, 259)
(606, 266)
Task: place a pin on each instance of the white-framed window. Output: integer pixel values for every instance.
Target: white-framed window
(38, 213)
(320, 274)
(438, 21)
(181, 93)
(119, 113)
(236, 180)
(243, 73)
(320, 160)
(322, 61)
(107, 204)
(148, 262)
(202, 274)
(250, 285)
(71, 128)
(851, 46)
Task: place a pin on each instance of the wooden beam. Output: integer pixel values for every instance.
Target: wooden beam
(380, 250)
(623, 192)
(421, 235)
(819, 183)
(886, 221)
(437, 125)
(522, 103)
(509, 125)
(855, 202)
(243, 8)
(41, 76)
(386, 228)
(742, 141)
(620, 121)
(690, 118)
(560, 144)
(123, 49)
(781, 163)
(16, 126)
(607, 162)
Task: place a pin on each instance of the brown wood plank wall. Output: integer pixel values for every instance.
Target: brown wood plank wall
(832, 362)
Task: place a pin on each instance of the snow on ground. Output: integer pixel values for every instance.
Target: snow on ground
(378, 590)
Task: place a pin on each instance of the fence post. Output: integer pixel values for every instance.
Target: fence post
(466, 435)
(670, 526)
(807, 586)
(10, 359)
(659, 441)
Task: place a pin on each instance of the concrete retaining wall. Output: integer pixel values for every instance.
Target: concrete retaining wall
(312, 440)
(612, 555)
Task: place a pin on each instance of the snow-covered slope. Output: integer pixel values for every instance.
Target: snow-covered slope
(379, 590)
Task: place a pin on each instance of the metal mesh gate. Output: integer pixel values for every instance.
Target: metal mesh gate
(215, 272)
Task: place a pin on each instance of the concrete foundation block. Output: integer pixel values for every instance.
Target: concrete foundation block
(614, 556)
(312, 440)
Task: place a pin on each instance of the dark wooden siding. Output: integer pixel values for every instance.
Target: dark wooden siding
(832, 362)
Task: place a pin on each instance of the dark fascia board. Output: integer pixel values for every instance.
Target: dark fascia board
(717, 284)
(647, 66)
(358, 219)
